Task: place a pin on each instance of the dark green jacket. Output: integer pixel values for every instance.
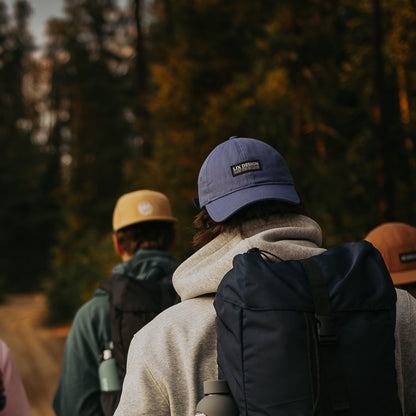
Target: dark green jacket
(78, 392)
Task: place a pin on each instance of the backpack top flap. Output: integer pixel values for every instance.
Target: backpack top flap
(355, 275)
(130, 295)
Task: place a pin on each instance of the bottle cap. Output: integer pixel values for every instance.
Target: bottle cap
(107, 354)
(216, 401)
(216, 386)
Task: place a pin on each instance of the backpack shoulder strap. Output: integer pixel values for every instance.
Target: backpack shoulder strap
(327, 338)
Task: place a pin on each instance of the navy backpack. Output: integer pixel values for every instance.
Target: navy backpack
(309, 337)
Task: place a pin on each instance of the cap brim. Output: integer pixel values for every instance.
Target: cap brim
(403, 278)
(220, 209)
(125, 224)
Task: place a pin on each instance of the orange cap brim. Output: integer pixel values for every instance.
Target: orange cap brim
(403, 278)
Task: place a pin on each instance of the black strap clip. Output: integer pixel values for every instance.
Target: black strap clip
(327, 329)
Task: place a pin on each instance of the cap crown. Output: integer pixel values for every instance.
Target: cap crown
(140, 206)
(241, 171)
(397, 244)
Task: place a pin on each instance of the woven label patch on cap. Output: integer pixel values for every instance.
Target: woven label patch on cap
(145, 208)
(407, 257)
(244, 167)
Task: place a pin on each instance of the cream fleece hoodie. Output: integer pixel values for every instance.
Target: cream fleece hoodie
(170, 357)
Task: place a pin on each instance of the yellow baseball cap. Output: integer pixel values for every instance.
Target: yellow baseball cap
(396, 242)
(140, 206)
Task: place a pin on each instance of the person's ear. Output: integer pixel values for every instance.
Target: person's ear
(117, 247)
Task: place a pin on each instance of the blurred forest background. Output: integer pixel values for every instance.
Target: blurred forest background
(132, 97)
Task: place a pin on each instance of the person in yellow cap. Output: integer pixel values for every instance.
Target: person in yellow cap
(396, 242)
(143, 234)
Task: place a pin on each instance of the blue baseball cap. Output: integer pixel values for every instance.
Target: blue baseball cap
(241, 171)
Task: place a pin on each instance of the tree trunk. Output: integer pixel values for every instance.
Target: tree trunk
(141, 65)
(382, 148)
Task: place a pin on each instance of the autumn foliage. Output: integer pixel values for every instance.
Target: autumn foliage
(135, 96)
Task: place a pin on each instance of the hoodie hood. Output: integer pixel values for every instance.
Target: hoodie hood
(147, 265)
(289, 237)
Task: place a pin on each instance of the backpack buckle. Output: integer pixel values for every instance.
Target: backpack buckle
(327, 329)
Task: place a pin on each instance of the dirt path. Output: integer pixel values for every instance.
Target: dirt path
(36, 349)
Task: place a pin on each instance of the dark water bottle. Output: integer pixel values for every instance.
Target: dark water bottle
(217, 400)
(107, 372)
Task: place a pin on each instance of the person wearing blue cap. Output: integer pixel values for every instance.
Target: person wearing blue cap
(246, 199)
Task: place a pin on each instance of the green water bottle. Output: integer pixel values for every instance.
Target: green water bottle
(107, 372)
(217, 400)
